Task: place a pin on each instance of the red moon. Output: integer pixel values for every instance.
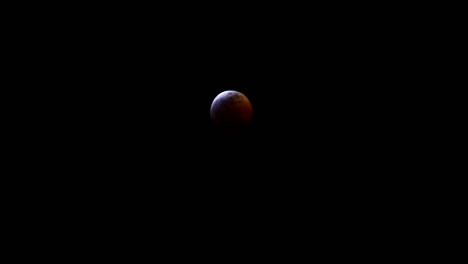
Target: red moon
(231, 110)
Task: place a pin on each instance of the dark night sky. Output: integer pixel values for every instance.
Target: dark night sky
(122, 152)
(139, 86)
(130, 111)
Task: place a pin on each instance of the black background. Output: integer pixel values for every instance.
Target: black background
(126, 126)
(142, 83)
(130, 92)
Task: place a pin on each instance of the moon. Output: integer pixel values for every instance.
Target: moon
(231, 110)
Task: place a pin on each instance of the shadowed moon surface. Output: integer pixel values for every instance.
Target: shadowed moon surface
(231, 110)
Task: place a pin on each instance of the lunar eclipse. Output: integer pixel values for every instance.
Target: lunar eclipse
(231, 110)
